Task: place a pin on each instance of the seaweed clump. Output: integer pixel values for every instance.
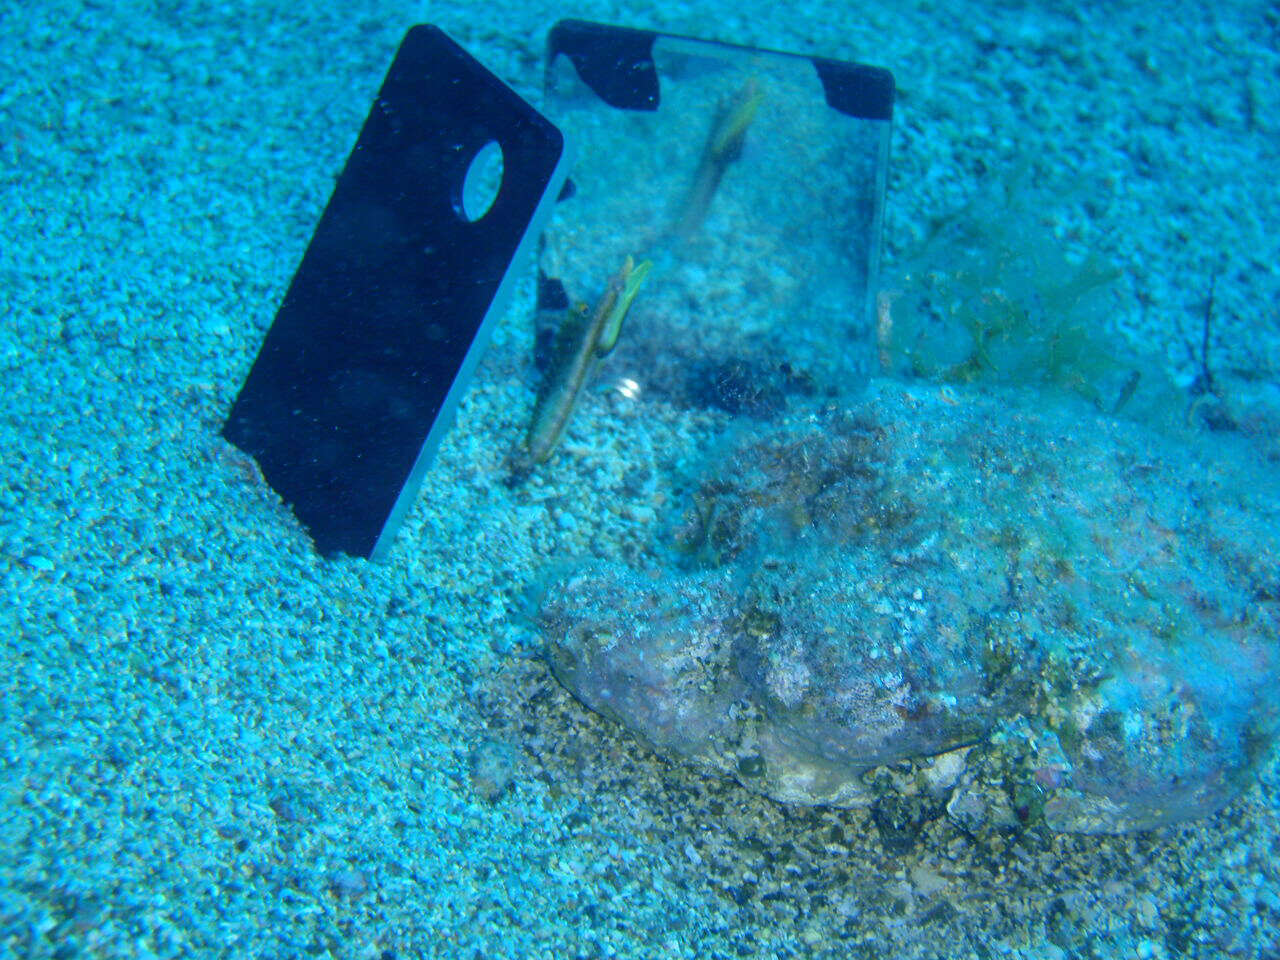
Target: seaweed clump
(827, 479)
(743, 386)
(991, 297)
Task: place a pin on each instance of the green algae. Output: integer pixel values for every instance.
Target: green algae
(990, 296)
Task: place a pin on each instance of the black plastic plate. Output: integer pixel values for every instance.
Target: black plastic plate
(380, 330)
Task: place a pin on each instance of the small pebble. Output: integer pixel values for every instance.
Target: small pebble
(349, 883)
(492, 767)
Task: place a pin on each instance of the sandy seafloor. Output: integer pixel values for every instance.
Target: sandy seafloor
(212, 742)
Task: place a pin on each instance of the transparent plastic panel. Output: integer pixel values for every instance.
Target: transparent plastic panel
(757, 203)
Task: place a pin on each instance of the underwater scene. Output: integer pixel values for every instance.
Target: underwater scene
(855, 533)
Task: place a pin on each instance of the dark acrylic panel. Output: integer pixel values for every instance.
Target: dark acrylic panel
(386, 315)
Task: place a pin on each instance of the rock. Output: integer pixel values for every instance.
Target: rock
(349, 883)
(1093, 604)
(492, 768)
(899, 821)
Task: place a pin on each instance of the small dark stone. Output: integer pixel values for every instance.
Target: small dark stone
(283, 808)
(1058, 926)
(941, 912)
(292, 806)
(899, 821)
(117, 754)
(1181, 934)
(783, 853)
(751, 766)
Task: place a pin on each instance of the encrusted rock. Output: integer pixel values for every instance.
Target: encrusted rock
(1092, 604)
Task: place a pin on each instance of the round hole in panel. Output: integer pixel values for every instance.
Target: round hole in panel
(481, 184)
